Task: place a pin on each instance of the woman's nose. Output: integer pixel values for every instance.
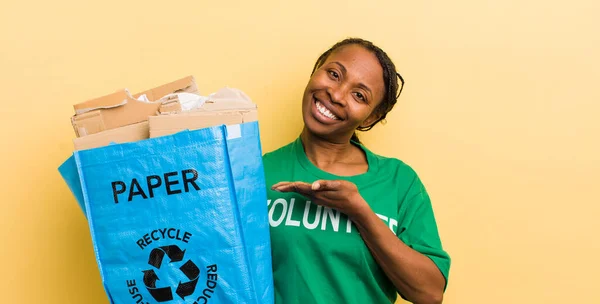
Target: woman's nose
(337, 94)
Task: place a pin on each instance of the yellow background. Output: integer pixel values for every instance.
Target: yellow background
(500, 117)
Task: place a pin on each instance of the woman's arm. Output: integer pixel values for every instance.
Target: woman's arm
(413, 274)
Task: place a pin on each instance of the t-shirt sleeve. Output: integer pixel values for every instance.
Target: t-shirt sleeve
(417, 227)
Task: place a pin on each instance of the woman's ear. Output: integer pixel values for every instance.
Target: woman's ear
(374, 117)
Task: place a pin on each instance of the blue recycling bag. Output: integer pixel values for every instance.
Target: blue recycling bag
(179, 218)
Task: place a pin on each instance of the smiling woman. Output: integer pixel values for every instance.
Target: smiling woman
(387, 242)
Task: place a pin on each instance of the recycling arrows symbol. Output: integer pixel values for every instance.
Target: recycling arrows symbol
(157, 255)
(191, 272)
(189, 269)
(159, 294)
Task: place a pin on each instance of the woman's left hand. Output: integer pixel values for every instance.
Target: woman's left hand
(337, 194)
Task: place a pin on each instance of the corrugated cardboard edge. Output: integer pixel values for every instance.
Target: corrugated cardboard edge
(130, 133)
(174, 107)
(183, 85)
(162, 125)
(81, 130)
(113, 100)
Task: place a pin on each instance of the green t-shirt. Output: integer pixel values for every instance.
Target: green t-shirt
(318, 254)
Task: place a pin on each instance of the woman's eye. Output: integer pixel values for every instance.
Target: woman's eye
(360, 96)
(334, 74)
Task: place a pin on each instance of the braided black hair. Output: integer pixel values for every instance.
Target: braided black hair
(390, 78)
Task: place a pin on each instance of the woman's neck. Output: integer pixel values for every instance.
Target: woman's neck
(325, 154)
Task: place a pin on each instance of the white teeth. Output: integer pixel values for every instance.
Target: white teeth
(323, 110)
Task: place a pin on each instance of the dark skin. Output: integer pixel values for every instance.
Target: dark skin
(341, 96)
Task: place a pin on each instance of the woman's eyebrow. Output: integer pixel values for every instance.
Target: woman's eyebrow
(362, 85)
(341, 66)
(366, 88)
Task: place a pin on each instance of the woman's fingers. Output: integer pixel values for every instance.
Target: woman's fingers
(300, 187)
(325, 185)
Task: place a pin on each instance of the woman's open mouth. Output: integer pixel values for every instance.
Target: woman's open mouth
(323, 111)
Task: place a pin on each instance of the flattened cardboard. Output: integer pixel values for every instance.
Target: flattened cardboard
(173, 106)
(101, 119)
(121, 108)
(109, 101)
(227, 106)
(184, 85)
(124, 134)
(162, 125)
(250, 116)
(88, 123)
(170, 105)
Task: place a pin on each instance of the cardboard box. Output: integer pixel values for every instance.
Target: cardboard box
(121, 108)
(124, 134)
(226, 106)
(162, 125)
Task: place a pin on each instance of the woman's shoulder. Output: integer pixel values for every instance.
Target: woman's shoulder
(392, 165)
(406, 180)
(279, 154)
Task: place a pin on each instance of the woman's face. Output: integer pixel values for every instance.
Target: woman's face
(342, 94)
